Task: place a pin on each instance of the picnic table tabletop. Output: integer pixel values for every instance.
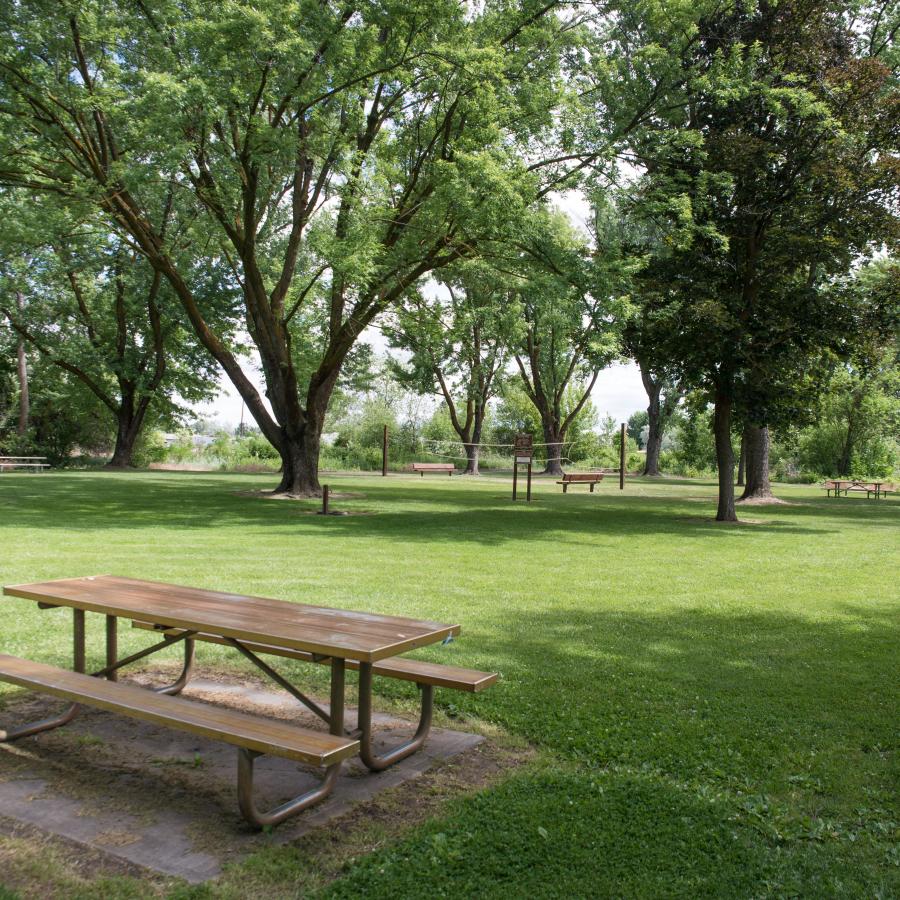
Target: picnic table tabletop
(342, 633)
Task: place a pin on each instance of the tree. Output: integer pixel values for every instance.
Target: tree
(663, 396)
(458, 343)
(22, 373)
(776, 172)
(93, 307)
(858, 420)
(635, 426)
(572, 302)
(331, 155)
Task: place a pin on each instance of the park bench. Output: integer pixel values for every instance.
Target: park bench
(35, 463)
(252, 735)
(422, 468)
(422, 673)
(590, 478)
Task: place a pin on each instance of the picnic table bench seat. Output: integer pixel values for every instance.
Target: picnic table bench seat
(590, 478)
(434, 674)
(861, 487)
(252, 735)
(422, 468)
(37, 463)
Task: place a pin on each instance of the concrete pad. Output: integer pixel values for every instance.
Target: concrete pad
(166, 800)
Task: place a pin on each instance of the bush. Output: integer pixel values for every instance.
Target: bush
(150, 448)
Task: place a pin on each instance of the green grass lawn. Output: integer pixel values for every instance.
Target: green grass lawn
(715, 706)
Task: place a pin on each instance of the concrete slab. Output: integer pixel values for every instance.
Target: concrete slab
(166, 800)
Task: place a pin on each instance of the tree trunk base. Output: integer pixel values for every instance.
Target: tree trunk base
(762, 500)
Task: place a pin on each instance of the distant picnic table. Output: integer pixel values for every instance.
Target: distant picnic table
(255, 627)
(874, 489)
(35, 463)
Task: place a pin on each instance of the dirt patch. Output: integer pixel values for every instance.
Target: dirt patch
(141, 794)
(767, 501)
(707, 520)
(338, 512)
(273, 495)
(37, 864)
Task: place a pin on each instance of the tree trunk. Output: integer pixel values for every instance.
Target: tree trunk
(724, 459)
(742, 459)
(553, 439)
(654, 424)
(22, 369)
(301, 439)
(129, 424)
(300, 465)
(756, 441)
(471, 460)
(471, 440)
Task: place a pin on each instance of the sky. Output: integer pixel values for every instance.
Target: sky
(618, 392)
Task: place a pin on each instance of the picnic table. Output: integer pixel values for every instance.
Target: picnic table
(255, 627)
(35, 463)
(848, 486)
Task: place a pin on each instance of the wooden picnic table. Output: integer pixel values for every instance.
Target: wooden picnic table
(856, 485)
(253, 626)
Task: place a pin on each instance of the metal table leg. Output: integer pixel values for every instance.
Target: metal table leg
(370, 759)
(78, 665)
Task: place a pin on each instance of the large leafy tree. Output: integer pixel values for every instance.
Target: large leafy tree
(457, 339)
(777, 171)
(573, 306)
(860, 411)
(330, 154)
(93, 307)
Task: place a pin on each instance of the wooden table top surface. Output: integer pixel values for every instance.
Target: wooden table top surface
(317, 629)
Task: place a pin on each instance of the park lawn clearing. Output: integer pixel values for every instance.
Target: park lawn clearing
(715, 708)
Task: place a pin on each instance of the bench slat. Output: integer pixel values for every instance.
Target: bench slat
(437, 674)
(232, 727)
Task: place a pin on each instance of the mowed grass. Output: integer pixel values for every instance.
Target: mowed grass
(716, 706)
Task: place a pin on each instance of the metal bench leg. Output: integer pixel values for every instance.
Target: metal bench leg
(372, 761)
(263, 819)
(180, 683)
(65, 717)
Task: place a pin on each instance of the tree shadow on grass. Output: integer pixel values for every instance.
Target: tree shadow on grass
(713, 753)
(176, 501)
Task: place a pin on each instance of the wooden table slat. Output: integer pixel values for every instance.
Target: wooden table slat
(334, 632)
(229, 725)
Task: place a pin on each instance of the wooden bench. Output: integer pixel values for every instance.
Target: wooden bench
(590, 478)
(422, 468)
(829, 486)
(422, 673)
(36, 463)
(252, 735)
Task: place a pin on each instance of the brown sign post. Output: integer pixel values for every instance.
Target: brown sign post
(523, 450)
